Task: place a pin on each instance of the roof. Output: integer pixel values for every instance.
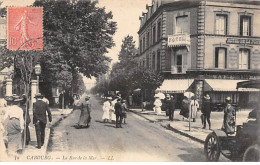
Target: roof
(175, 85)
(253, 2)
(226, 85)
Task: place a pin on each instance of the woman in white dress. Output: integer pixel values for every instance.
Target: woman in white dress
(112, 115)
(194, 105)
(157, 106)
(106, 108)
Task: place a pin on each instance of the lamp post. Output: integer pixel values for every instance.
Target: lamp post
(37, 72)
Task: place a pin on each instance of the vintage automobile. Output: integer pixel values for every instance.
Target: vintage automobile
(244, 143)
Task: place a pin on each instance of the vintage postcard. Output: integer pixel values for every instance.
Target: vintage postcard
(129, 81)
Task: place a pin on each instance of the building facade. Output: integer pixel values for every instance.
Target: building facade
(203, 46)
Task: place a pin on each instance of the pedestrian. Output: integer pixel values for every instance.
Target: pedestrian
(106, 108)
(185, 107)
(3, 133)
(27, 119)
(40, 119)
(157, 105)
(170, 106)
(229, 117)
(124, 110)
(112, 115)
(85, 117)
(3, 121)
(15, 126)
(118, 111)
(193, 107)
(206, 110)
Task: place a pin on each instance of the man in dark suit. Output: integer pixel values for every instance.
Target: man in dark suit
(118, 111)
(40, 119)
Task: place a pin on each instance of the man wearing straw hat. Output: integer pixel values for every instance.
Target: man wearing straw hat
(39, 118)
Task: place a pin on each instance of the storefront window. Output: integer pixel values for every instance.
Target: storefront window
(244, 58)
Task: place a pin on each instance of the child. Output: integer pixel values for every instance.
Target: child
(124, 109)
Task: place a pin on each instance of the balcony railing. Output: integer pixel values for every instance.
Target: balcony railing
(178, 69)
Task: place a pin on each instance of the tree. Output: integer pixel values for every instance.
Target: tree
(80, 33)
(121, 77)
(77, 34)
(128, 52)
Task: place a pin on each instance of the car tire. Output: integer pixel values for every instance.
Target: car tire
(252, 154)
(212, 148)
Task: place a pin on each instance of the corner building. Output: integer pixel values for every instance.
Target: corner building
(203, 46)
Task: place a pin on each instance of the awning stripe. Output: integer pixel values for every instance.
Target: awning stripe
(222, 85)
(175, 85)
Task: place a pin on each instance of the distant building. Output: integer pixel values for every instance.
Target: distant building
(203, 46)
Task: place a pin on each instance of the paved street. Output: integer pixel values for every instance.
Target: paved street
(138, 140)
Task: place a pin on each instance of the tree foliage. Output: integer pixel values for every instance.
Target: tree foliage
(80, 33)
(126, 76)
(77, 34)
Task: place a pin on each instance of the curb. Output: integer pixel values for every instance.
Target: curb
(171, 128)
(185, 134)
(139, 114)
(52, 127)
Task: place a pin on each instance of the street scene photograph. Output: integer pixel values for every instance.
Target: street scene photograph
(129, 81)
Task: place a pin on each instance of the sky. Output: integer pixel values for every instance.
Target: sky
(126, 13)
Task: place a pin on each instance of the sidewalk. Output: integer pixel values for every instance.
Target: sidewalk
(182, 126)
(31, 150)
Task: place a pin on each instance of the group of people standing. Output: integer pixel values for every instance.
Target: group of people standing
(114, 111)
(15, 120)
(167, 104)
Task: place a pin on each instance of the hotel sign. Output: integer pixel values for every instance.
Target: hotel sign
(243, 41)
(178, 40)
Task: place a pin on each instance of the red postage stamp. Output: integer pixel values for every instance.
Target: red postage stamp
(25, 28)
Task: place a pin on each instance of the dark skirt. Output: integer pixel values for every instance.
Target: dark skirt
(84, 118)
(14, 135)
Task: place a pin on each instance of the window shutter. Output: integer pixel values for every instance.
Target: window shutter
(216, 57)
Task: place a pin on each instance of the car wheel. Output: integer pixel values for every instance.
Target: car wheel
(252, 154)
(212, 148)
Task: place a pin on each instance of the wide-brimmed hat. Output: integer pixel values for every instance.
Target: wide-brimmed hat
(9, 98)
(109, 98)
(207, 97)
(123, 101)
(38, 95)
(228, 99)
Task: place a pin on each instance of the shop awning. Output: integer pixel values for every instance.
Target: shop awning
(225, 86)
(175, 86)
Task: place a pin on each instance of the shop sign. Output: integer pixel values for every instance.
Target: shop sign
(243, 41)
(178, 40)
